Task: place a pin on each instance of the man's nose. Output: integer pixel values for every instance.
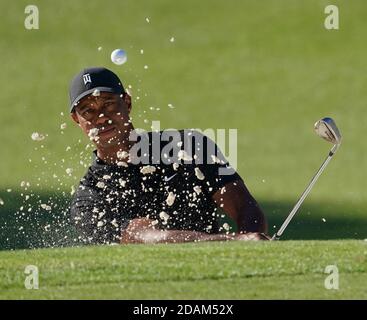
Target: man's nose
(101, 118)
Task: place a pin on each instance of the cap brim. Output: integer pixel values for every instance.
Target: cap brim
(88, 92)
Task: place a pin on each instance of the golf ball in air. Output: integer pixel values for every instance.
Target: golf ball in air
(118, 56)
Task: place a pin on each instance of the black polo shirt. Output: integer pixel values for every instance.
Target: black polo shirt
(175, 195)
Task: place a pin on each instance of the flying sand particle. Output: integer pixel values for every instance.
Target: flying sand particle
(183, 155)
(199, 174)
(37, 136)
(45, 207)
(170, 198)
(122, 183)
(96, 93)
(164, 216)
(93, 134)
(25, 184)
(226, 226)
(114, 223)
(122, 164)
(197, 189)
(100, 184)
(148, 169)
(100, 224)
(215, 159)
(122, 154)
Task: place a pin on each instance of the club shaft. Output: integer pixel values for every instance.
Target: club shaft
(304, 194)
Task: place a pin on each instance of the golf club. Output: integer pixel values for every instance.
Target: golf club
(326, 129)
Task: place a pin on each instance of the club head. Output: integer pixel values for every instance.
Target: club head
(327, 129)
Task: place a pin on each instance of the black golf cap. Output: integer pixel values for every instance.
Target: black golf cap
(90, 79)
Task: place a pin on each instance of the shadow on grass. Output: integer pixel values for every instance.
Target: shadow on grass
(29, 223)
(317, 221)
(42, 220)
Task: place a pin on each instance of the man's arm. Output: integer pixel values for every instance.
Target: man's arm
(237, 202)
(229, 190)
(143, 231)
(234, 199)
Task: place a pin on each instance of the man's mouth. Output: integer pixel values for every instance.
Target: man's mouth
(106, 130)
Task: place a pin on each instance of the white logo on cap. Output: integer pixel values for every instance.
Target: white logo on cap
(86, 78)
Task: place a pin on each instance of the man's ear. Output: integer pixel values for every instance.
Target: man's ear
(75, 117)
(127, 100)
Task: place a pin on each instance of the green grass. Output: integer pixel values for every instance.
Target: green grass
(268, 70)
(237, 270)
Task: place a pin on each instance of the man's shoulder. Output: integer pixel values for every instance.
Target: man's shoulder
(86, 190)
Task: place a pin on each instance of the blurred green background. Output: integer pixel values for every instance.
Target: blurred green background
(267, 68)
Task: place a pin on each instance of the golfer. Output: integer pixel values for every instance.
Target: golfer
(152, 187)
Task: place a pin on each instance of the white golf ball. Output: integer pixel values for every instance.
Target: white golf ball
(118, 56)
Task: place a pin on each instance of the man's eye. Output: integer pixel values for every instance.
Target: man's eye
(86, 112)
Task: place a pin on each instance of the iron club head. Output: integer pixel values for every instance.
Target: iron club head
(327, 129)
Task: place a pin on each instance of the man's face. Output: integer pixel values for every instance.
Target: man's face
(104, 118)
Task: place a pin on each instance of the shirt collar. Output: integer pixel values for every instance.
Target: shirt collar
(97, 160)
